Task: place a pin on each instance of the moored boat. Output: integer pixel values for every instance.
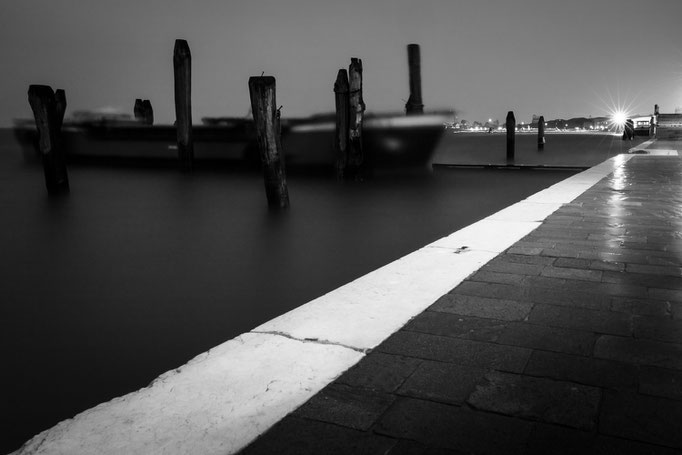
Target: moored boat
(388, 140)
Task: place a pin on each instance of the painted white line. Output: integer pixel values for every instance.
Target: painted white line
(222, 400)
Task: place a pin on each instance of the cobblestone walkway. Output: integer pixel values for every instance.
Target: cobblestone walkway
(568, 342)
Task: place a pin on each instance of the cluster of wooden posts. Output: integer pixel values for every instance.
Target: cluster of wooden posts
(352, 161)
(510, 125)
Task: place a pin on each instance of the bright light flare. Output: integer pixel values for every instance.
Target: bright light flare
(619, 117)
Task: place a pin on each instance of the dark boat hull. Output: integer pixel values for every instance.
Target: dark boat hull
(387, 141)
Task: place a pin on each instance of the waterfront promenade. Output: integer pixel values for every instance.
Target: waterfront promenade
(569, 341)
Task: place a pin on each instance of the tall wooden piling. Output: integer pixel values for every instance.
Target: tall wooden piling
(147, 112)
(266, 116)
(356, 165)
(342, 102)
(182, 68)
(48, 112)
(414, 104)
(541, 132)
(511, 135)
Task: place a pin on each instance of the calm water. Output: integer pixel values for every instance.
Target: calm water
(570, 149)
(137, 270)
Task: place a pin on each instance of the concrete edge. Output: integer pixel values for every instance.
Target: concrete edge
(223, 399)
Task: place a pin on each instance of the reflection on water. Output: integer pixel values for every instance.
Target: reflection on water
(138, 270)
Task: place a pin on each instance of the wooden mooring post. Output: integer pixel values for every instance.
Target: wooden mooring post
(48, 111)
(541, 133)
(137, 110)
(342, 102)
(357, 162)
(182, 68)
(266, 116)
(511, 135)
(414, 104)
(147, 112)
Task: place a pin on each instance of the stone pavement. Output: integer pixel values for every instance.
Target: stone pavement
(569, 342)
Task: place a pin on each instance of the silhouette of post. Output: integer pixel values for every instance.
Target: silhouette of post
(267, 122)
(414, 104)
(356, 159)
(341, 92)
(182, 66)
(541, 133)
(138, 110)
(48, 112)
(60, 105)
(147, 112)
(511, 135)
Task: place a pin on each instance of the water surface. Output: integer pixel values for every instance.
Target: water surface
(139, 269)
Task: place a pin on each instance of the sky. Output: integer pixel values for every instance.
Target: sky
(480, 58)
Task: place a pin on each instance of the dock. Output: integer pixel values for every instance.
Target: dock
(569, 341)
(552, 326)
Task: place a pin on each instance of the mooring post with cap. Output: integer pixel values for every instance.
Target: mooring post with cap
(266, 117)
(414, 104)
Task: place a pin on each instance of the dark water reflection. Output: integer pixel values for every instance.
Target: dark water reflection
(138, 270)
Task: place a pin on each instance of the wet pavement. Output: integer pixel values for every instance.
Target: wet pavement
(569, 342)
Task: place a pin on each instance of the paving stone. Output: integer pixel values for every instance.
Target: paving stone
(453, 427)
(641, 307)
(295, 436)
(548, 338)
(658, 328)
(443, 382)
(491, 290)
(456, 326)
(583, 370)
(570, 298)
(483, 307)
(581, 319)
(572, 274)
(556, 440)
(661, 382)
(641, 279)
(542, 399)
(561, 252)
(347, 406)
(639, 352)
(517, 268)
(384, 372)
(496, 277)
(528, 250)
(654, 269)
(522, 259)
(643, 418)
(674, 295)
(573, 263)
(607, 266)
(454, 350)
